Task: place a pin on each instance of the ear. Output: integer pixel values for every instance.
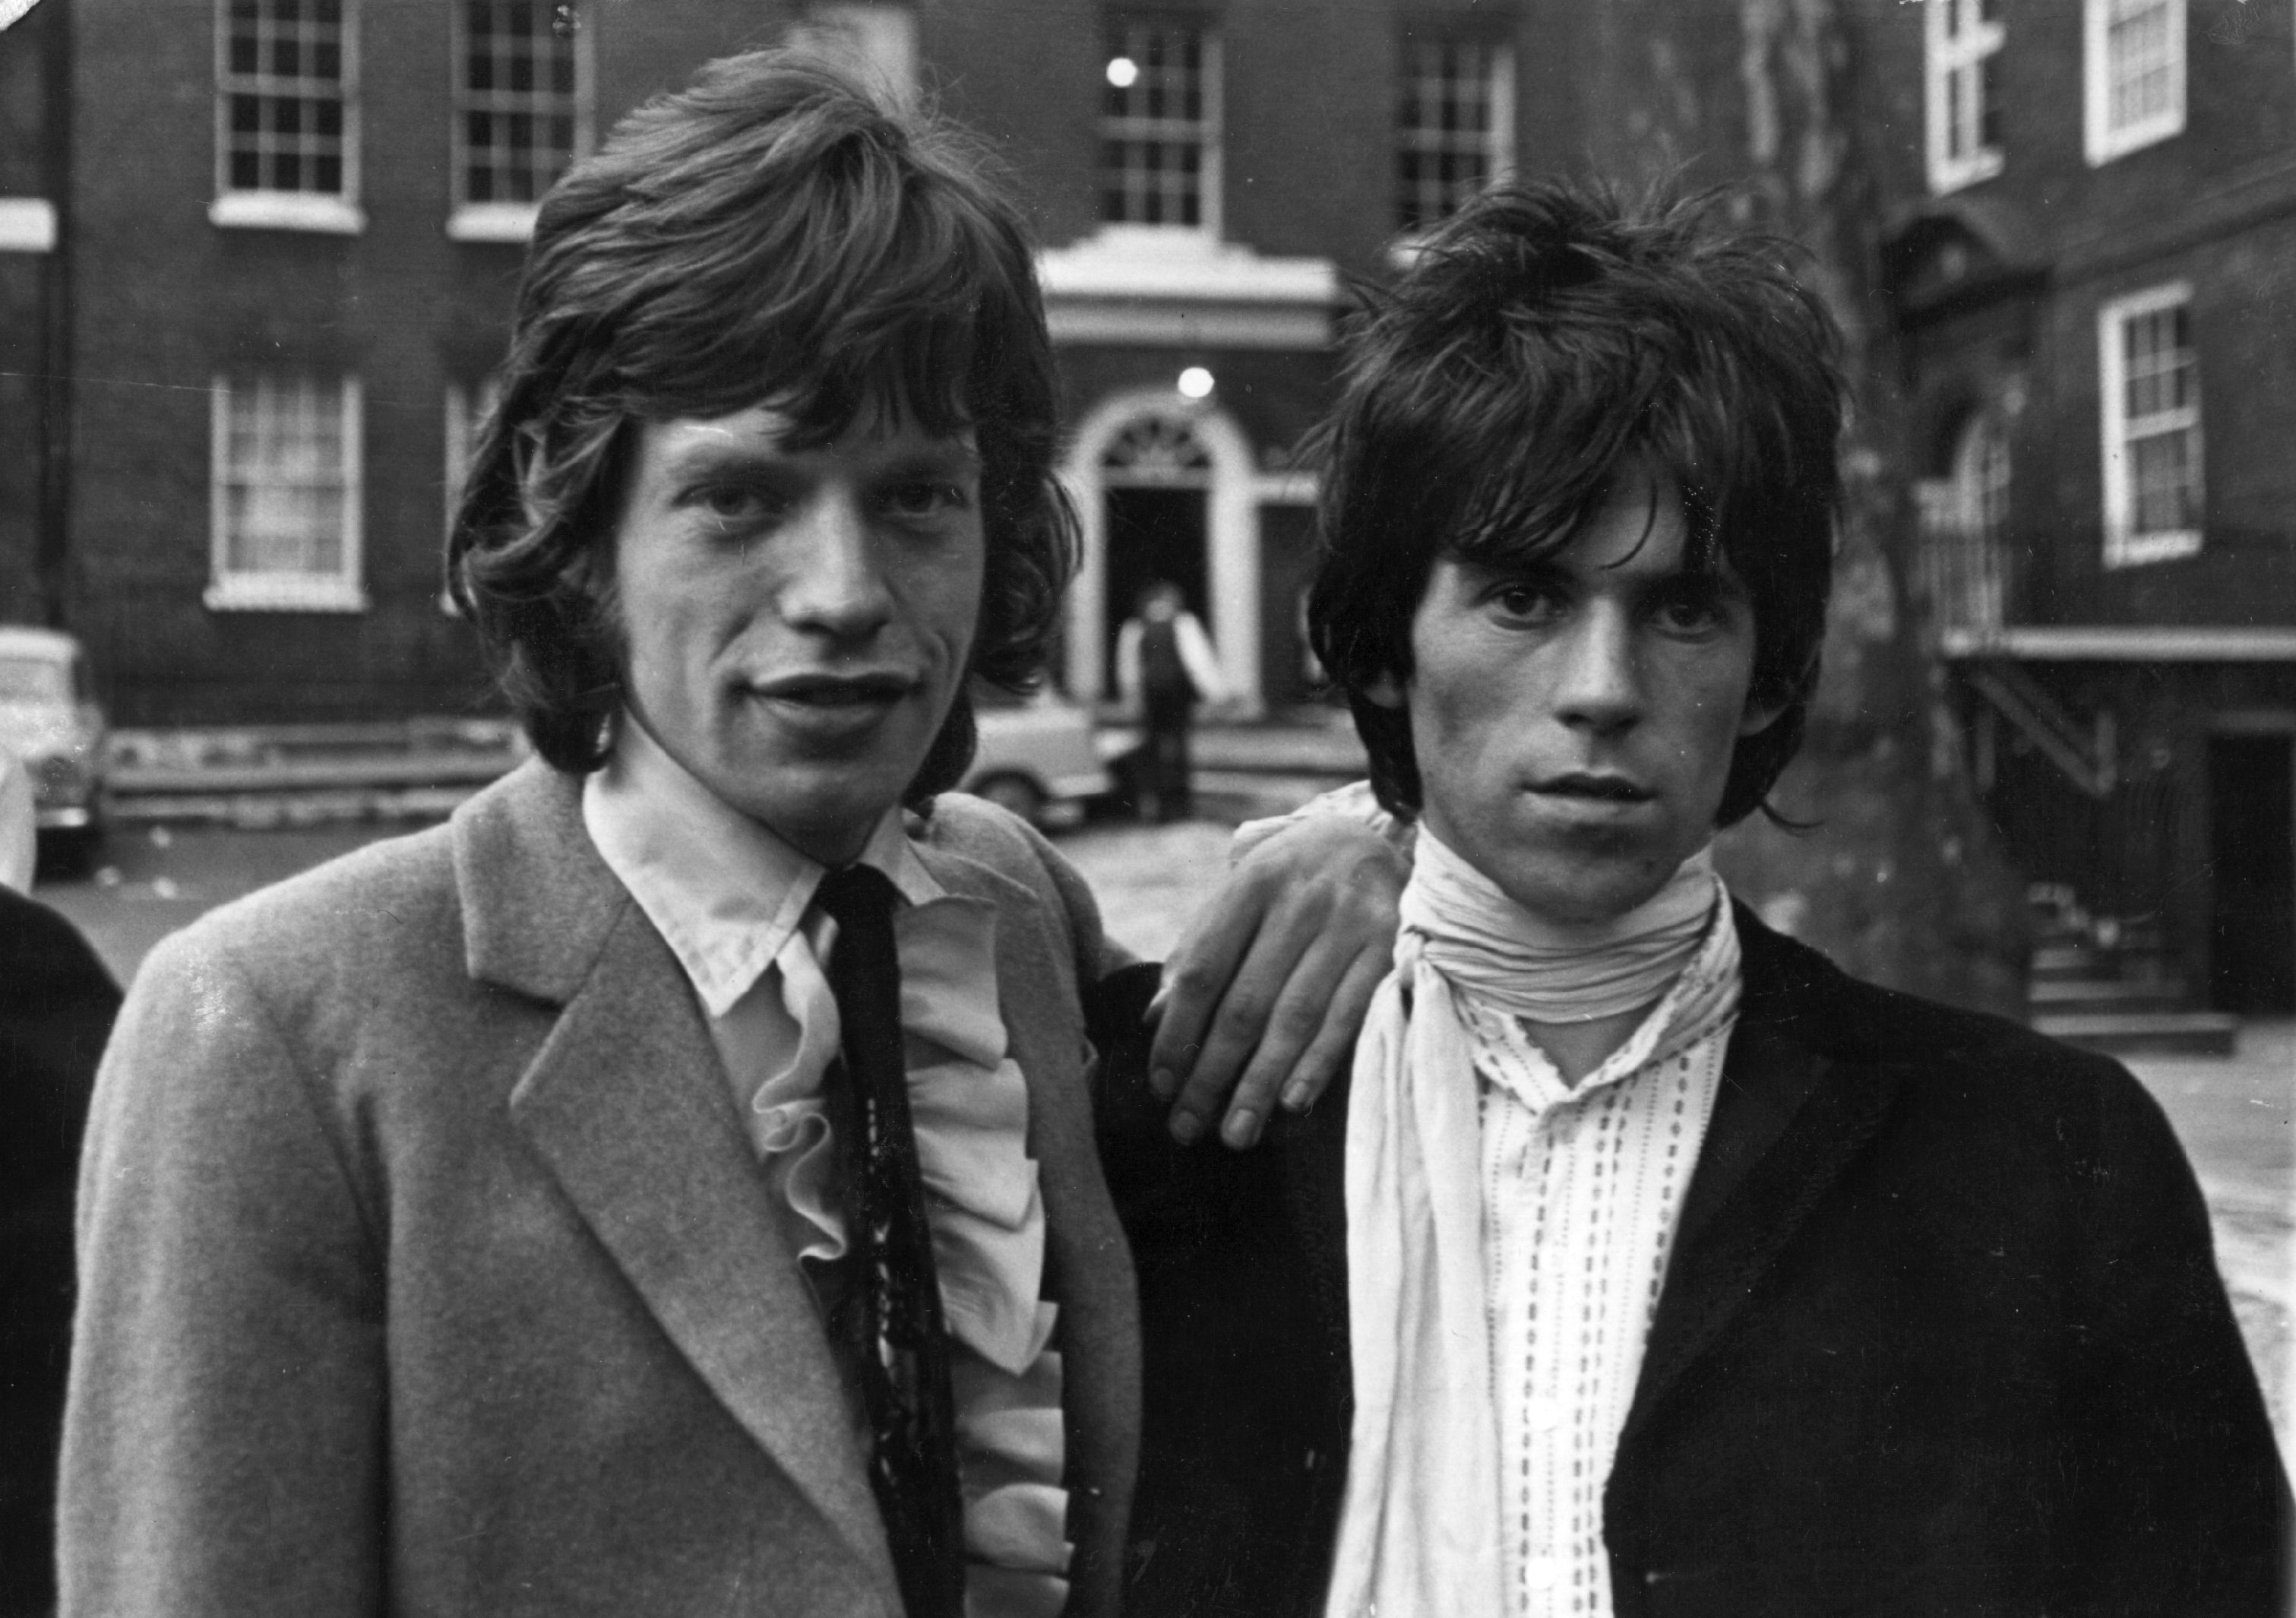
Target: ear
(1386, 691)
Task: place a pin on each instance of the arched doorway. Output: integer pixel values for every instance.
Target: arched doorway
(1156, 485)
(1165, 488)
(1965, 523)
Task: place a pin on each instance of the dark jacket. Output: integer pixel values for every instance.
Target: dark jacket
(1942, 1334)
(56, 1004)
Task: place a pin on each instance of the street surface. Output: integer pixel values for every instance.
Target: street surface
(2237, 1116)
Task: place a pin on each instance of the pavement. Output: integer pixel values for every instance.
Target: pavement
(257, 776)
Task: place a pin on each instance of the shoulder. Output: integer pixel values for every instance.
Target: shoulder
(1993, 1076)
(971, 829)
(43, 958)
(351, 926)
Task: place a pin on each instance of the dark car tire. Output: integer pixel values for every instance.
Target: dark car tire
(1015, 793)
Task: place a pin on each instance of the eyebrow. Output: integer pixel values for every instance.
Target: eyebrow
(738, 453)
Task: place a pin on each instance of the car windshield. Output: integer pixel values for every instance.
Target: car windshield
(34, 679)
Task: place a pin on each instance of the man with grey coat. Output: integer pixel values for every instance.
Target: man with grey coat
(669, 1186)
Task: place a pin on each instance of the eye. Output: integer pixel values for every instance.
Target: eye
(731, 503)
(1693, 607)
(1529, 601)
(926, 497)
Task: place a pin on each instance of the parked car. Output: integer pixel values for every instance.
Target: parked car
(1038, 756)
(49, 718)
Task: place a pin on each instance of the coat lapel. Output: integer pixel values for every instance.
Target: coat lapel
(627, 1105)
(1789, 1120)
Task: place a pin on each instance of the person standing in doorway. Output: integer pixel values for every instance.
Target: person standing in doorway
(1164, 667)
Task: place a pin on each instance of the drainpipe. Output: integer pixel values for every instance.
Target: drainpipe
(51, 552)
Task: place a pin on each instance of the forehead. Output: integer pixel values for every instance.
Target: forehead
(766, 432)
(1639, 533)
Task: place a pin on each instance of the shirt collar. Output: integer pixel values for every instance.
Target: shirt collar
(725, 892)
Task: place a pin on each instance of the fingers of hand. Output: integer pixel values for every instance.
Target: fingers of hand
(1197, 975)
(1267, 1015)
(1334, 1041)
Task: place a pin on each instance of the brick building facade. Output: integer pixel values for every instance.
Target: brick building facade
(34, 308)
(297, 226)
(2097, 286)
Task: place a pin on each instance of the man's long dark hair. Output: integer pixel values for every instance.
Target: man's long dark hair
(773, 234)
(1548, 344)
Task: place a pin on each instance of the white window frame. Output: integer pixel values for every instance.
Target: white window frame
(328, 213)
(2103, 140)
(2123, 545)
(1959, 43)
(1498, 138)
(498, 219)
(465, 405)
(237, 590)
(1210, 171)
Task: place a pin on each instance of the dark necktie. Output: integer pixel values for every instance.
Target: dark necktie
(892, 1323)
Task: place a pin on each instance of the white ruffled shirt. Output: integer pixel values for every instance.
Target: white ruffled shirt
(734, 904)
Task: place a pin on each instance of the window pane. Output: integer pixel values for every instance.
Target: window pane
(1443, 128)
(1155, 129)
(285, 489)
(518, 105)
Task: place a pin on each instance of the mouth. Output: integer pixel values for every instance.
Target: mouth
(832, 692)
(1593, 788)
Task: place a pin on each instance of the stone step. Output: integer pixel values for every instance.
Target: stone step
(2192, 1033)
(2106, 994)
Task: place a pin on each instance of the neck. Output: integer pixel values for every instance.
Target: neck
(1580, 991)
(1578, 1048)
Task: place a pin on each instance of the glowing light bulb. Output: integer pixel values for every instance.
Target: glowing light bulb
(1195, 382)
(1123, 72)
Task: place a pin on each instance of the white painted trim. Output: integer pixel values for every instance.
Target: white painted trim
(2101, 143)
(1144, 324)
(1941, 58)
(306, 211)
(1231, 538)
(282, 593)
(27, 225)
(1147, 287)
(493, 222)
(2125, 644)
(1503, 112)
(1286, 488)
(1185, 266)
(2123, 548)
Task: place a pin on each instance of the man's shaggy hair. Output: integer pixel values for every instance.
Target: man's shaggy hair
(773, 234)
(1549, 344)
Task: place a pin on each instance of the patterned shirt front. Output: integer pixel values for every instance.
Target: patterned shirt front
(1582, 1188)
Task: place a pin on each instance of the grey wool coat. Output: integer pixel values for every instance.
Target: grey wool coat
(426, 1268)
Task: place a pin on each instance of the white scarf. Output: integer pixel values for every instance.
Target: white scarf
(1420, 1532)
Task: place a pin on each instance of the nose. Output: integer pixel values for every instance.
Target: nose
(1598, 686)
(836, 583)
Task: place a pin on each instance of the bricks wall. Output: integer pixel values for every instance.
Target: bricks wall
(2214, 206)
(166, 300)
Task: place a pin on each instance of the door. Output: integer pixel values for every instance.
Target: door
(2252, 855)
(1153, 534)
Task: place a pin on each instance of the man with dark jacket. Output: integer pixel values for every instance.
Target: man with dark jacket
(1645, 1263)
(56, 1007)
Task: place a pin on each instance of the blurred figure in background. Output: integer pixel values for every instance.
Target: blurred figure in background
(1164, 667)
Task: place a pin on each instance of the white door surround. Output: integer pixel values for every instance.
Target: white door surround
(1231, 532)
